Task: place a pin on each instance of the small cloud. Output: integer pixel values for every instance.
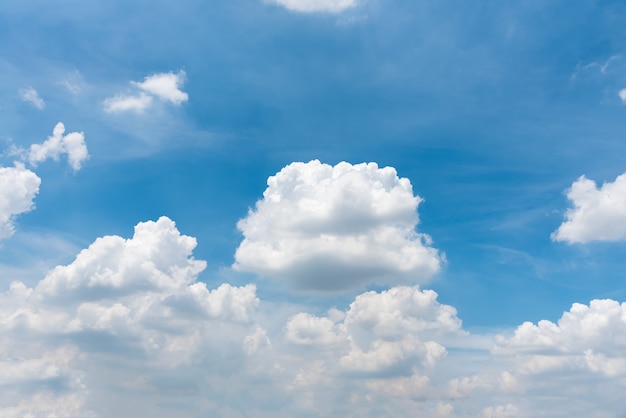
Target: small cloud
(622, 95)
(121, 103)
(18, 187)
(598, 214)
(165, 86)
(30, 95)
(313, 6)
(71, 87)
(72, 144)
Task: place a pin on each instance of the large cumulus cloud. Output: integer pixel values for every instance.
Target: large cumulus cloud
(325, 227)
(122, 305)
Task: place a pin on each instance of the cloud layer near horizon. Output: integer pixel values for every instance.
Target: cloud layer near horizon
(129, 319)
(329, 228)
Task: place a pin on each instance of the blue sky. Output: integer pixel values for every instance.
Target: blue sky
(271, 272)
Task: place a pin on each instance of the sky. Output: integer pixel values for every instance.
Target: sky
(338, 208)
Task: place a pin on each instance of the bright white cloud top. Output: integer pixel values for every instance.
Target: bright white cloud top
(18, 188)
(164, 86)
(327, 228)
(310, 6)
(71, 144)
(599, 214)
(31, 95)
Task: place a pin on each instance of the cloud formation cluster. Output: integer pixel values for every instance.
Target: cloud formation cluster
(129, 319)
(599, 214)
(136, 299)
(326, 228)
(163, 86)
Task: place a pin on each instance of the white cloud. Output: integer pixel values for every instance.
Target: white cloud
(72, 144)
(30, 95)
(597, 215)
(121, 103)
(306, 329)
(381, 334)
(131, 308)
(165, 86)
(18, 187)
(622, 95)
(332, 228)
(310, 6)
(582, 353)
(599, 328)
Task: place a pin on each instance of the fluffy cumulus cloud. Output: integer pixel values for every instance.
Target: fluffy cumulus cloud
(622, 95)
(124, 308)
(18, 188)
(71, 144)
(31, 96)
(388, 334)
(325, 227)
(310, 6)
(386, 348)
(577, 363)
(163, 86)
(598, 214)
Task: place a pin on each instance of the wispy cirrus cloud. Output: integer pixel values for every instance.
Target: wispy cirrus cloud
(122, 103)
(312, 6)
(31, 95)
